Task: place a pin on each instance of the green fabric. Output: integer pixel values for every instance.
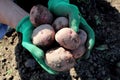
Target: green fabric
(64, 8)
(26, 28)
(91, 37)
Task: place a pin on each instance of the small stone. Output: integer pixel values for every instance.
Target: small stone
(95, 64)
(99, 66)
(103, 72)
(91, 68)
(111, 60)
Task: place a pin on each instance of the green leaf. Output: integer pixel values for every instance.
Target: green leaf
(102, 47)
(9, 71)
(97, 19)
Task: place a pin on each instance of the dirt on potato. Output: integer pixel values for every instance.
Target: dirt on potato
(59, 59)
(16, 63)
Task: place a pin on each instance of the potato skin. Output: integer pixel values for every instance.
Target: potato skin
(39, 14)
(59, 59)
(68, 38)
(82, 35)
(79, 52)
(60, 22)
(43, 35)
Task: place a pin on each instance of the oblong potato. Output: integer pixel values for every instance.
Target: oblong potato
(60, 22)
(59, 59)
(68, 38)
(43, 35)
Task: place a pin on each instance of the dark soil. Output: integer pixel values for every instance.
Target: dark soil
(16, 63)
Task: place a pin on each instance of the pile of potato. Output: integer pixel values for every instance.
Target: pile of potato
(49, 30)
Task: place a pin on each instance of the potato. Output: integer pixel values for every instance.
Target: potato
(40, 15)
(60, 22)
(83, 36)
(79, 52)
(43, 35)
(59, 59)
(68, 38)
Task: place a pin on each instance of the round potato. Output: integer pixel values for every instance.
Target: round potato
(83, 36)
(68, 38)
(40, 15)
(59, 59)
(43, 35)
(60, 22)
(79, 52)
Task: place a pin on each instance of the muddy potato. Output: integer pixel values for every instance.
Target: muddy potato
(43, 35)
(83, 36)
(60, 22)
(68, 38)
(59, 59)
(40, 15)
(79, 52)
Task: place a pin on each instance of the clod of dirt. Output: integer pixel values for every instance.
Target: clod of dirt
(30, 63)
